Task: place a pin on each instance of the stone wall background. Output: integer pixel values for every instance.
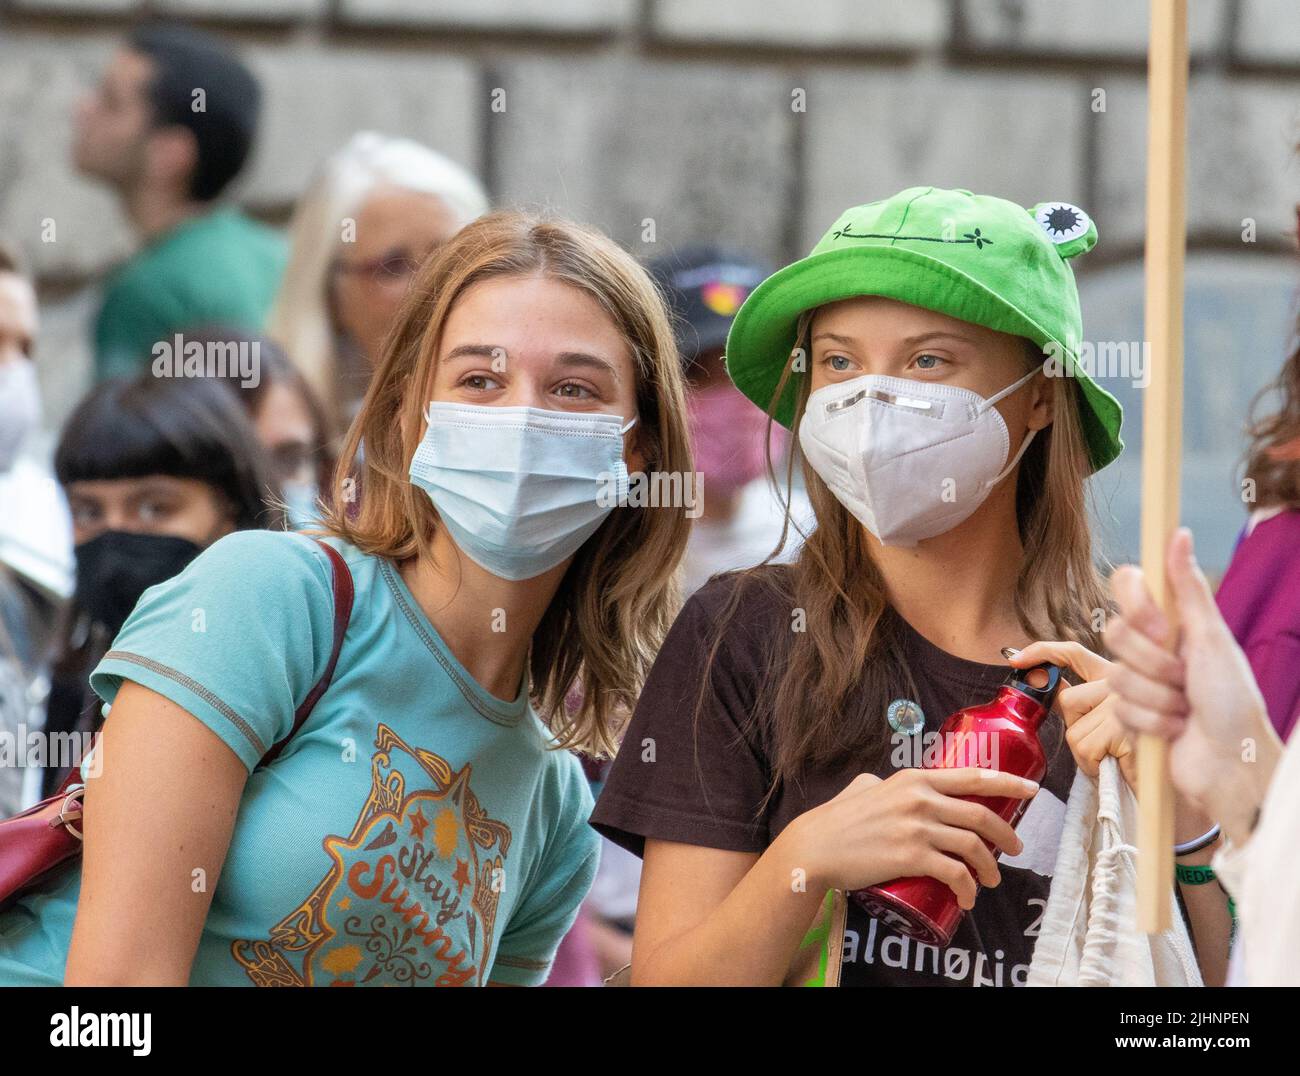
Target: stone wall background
(680, 112)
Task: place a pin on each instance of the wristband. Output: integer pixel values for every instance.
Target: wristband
(1198, 843)
(1200, 876)
(1193, 875)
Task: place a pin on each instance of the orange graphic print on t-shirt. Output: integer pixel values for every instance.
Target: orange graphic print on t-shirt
(411, 895)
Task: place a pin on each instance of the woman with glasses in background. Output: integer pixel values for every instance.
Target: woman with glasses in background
(377, 209)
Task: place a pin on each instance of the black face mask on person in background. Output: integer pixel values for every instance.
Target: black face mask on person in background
(116, 567)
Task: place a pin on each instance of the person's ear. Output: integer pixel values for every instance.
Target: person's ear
(411, 421)
(1042, 408)
(640, 443)
(634, 457)
(171, 157)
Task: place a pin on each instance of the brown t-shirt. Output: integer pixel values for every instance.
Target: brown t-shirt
(671, 783)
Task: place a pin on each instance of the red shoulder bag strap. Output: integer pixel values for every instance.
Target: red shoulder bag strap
(343, 595)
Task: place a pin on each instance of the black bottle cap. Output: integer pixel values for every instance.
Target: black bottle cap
(1045, 695)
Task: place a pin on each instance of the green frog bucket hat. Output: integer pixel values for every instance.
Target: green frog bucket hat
(973, 257)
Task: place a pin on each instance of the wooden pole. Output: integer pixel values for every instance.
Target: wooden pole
(1162, 414)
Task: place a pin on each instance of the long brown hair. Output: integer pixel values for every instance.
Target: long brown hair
(852, 639)
(1273, 459)
(620, 594)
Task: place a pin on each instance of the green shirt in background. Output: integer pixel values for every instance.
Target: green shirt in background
(218, 268)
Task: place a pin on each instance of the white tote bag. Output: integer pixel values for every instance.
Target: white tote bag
(1089, 934)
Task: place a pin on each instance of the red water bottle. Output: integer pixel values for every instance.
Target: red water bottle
(998, 735)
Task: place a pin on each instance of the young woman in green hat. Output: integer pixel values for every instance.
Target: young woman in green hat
(770, 763)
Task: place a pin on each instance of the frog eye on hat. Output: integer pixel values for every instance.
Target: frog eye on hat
(1067, 226)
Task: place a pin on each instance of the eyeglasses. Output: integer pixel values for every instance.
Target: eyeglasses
(397, 264)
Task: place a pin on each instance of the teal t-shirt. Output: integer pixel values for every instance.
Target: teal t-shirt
(415, 831)
(220, 268)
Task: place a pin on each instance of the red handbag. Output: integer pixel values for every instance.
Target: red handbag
(37, 841)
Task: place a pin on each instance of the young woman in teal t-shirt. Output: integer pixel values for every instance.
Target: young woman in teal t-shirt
(421, 827)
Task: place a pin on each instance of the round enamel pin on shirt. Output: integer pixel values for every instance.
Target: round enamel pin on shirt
(905, 716)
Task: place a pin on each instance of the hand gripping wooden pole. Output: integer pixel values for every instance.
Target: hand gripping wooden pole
(1162, 414)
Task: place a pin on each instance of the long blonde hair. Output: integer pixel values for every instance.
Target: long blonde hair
(852, 640)
(617, 600)
(300, 319)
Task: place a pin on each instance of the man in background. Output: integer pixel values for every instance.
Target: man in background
(169, 127)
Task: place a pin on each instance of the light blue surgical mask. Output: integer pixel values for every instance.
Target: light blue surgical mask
(520, 488)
